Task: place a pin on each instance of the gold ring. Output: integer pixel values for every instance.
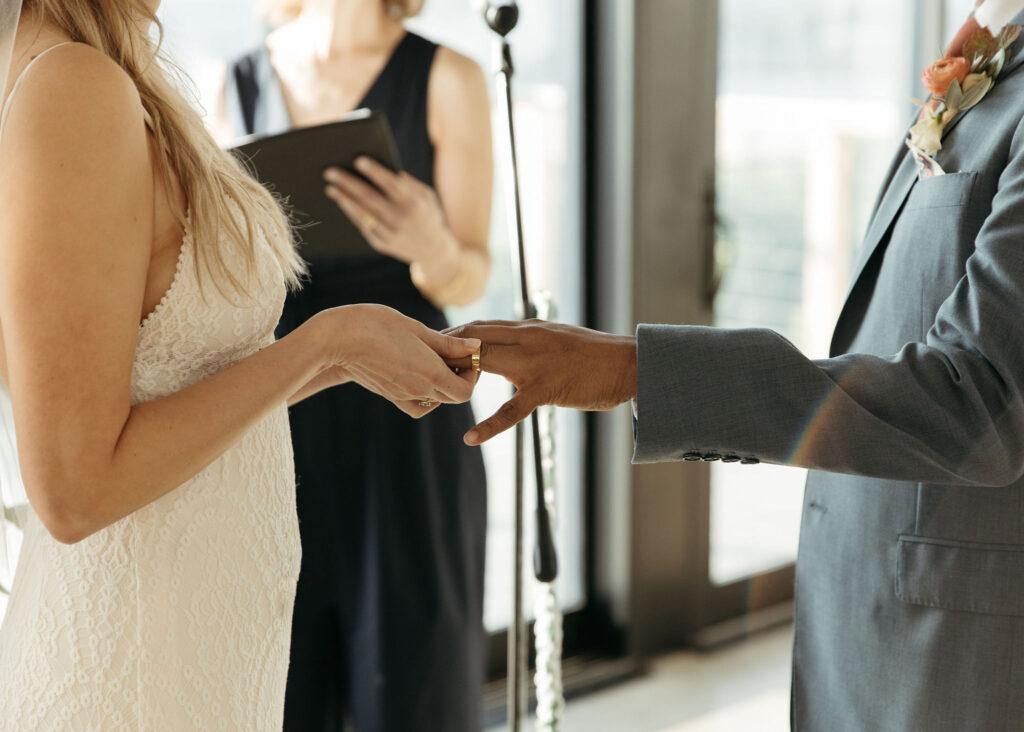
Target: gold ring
(370, 222)
(476, 360)
(425, 403)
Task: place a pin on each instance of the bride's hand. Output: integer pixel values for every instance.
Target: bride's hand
(394, 356)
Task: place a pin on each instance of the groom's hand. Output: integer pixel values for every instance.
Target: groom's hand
(550, 363)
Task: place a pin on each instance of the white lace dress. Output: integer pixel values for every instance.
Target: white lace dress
(178, 616)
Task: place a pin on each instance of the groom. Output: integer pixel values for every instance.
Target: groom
(910, 576)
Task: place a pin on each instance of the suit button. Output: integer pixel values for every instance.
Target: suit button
(731, 459)
(692, 457)
(749, 461)
(712, 457)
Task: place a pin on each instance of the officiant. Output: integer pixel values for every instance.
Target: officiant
(388, 629)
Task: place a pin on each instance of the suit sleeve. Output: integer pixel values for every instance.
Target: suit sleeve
(946, 410)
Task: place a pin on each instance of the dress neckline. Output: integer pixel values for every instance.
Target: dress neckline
(386, 70)
(179, 267)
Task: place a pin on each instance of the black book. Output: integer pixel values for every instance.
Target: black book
(292, 164)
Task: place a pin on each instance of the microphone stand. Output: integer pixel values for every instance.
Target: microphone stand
(502, 17)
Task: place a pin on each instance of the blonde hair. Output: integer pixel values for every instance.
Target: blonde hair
(282, 11)
(227, 207)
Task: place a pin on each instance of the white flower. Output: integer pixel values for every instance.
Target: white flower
(926, 135)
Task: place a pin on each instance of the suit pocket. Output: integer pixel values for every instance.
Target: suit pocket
(943, 191)
(960, 575)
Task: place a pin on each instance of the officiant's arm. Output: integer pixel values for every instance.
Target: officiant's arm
(72, 288)
(441, 232)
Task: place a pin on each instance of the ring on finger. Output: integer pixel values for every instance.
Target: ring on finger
(475, 358)
(370, 222)
(426, 403)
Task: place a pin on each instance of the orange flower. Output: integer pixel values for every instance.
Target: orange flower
(940, 74)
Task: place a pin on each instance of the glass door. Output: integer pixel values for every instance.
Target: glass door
(812, 100)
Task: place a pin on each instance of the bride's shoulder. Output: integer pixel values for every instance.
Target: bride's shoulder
(75, 125)
(73, 86)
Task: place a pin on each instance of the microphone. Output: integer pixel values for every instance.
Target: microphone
(501, 16)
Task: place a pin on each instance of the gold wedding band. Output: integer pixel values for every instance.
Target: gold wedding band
(476, 360)
(370, 222)
(425, 404)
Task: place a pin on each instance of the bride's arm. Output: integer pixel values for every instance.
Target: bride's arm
(77, 188)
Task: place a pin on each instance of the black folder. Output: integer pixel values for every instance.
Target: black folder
(292, 164)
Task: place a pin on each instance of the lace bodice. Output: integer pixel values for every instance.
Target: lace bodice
(178, 616)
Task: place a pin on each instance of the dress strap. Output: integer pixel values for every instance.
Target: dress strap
(17, 83)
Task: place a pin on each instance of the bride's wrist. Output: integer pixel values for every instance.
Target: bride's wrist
(320, 334)
(343, 335)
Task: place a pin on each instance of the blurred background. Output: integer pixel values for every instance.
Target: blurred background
(709, 162)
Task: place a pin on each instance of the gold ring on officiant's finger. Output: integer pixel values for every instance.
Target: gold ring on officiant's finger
(370, 222)
(476, 360)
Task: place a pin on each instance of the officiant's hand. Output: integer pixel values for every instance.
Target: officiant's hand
(399, 215)
(550, 363)
(394, 356)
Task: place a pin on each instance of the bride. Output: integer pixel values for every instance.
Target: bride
(141, 275)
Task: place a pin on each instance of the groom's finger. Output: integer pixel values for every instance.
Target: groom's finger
(494, 359)
(512, 412)
(499, 331)
(480, 324)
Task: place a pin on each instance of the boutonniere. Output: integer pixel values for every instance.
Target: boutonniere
(957, 83)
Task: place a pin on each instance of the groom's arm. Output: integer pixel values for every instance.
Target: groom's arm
(946, 409)
(933, 412)
(941, 411)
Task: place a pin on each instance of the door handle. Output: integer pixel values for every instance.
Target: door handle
(718, 248)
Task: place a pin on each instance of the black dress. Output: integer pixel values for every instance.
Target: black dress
(388, 625)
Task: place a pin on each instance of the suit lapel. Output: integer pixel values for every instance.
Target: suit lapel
(900, 184)
(900, 181)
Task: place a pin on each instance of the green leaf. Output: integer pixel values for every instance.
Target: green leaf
(953, 95)
(996, 65)
(976, 93)
(1008, 35)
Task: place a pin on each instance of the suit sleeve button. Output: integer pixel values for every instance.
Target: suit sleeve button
(749, 461)
(712, 457)
(692, 457)
(730, 458)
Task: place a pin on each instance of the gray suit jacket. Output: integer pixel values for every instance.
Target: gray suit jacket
(910, 576)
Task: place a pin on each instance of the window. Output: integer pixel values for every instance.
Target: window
(812, 101)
